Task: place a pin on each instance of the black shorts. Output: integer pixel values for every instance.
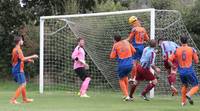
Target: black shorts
(81, 72)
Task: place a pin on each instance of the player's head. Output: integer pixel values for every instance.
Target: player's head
(152, 43)
(117, 37)
(184, 39)
(132, 20)
(19, 40)
(160, 40)
(81, 41)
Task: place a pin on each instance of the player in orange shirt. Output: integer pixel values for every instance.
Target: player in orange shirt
(123, 51)
(18, 60)
(185, 55)
(138, 36)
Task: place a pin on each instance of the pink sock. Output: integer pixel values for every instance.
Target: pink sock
(85, 85)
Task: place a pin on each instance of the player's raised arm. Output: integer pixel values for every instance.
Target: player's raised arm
(131, 35)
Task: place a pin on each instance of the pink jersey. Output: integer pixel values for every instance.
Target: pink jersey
(80, 54)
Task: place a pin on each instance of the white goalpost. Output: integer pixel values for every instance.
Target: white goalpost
(62, 17)
(58, 36)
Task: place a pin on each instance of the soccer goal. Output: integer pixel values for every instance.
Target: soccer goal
(58, 36)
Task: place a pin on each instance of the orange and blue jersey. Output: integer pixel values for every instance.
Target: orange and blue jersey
(185, 56)
(123, 52)
(17, 60)
(137, 37)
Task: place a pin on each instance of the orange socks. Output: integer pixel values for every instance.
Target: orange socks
(184, 91)
(193, 90)
(123, 82)
(20, 89)
(190, 93)
(24, 92)
(17, 93)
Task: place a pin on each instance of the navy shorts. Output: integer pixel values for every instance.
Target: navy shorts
(189, 79)
(20, 78)
(124, 70)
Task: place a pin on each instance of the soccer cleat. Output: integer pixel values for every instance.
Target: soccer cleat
(183, 104)
(14, 101)
(28, 100)
(127, 98)
(84, 96)
(123, 97)
(145, 98)
(131, 98)
(190, 100)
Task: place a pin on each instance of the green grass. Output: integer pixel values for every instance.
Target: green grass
(105, 101)
(101, 101)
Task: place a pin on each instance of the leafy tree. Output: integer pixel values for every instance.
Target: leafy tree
(108, 5)
(162, 4)
(192, 19)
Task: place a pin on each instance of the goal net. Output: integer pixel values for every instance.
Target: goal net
(58, 36)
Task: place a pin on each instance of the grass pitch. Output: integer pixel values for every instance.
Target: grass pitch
(105, 101)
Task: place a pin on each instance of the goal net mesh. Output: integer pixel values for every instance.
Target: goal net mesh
(60, 36)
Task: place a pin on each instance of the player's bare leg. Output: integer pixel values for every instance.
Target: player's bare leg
(123, 82)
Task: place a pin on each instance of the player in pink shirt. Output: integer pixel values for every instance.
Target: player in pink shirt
(80, 66)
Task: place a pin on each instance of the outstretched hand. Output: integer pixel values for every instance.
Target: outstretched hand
(35, 56)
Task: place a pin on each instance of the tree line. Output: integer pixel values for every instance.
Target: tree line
(18, 20)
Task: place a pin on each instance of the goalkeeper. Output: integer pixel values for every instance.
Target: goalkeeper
(138, 36)
(80, 66)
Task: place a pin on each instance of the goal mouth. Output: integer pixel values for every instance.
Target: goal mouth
(58, 36)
